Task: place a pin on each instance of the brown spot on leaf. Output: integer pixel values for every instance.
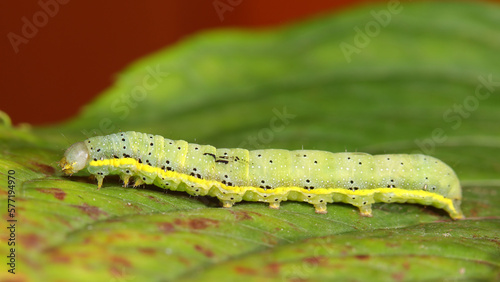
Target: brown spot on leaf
(245, 270)
(202, 223)
(196, 223)
(115, 272)
(120, 261)
(147, 251)
(120, 273)
(398, 276)
(122, 236)
(166, 227)
(362, 257)
(392, 245)
(298, 279)
(208, 253)
(243, 215)
(65, 222)
(184, 261)
(92, 211)
(120, 267)
(273, 268)
(153, 198)
(56, 256)
(57, 192)
(43, 168)
(135, 207)
(315, 260)
(240, 215)
(30, 240)
(269, 239)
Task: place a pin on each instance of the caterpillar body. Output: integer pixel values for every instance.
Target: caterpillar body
(271, 175)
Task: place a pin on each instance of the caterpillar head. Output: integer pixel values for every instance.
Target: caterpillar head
(75, 158)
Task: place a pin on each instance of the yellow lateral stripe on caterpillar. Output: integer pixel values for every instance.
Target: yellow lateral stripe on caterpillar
(271, 176)
(279, 190)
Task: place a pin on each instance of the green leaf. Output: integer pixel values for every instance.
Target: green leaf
(427, 80)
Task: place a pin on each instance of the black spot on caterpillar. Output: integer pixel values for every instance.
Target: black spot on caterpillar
(271, 176)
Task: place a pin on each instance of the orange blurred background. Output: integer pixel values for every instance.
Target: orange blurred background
(74, 53)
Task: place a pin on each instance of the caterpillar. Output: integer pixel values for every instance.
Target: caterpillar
(271, 175)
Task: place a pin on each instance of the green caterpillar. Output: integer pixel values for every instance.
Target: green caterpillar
(271, 176)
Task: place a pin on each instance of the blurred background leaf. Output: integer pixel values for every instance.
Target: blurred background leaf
(423, 77)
